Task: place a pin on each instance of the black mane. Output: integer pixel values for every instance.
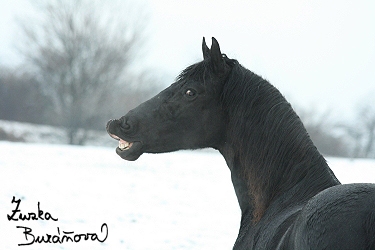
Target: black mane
(270, 138)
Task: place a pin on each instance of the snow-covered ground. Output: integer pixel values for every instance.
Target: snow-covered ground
(182, 200)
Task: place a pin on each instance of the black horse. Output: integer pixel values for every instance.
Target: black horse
(289, 197)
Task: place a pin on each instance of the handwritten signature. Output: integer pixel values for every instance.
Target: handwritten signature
(29, 216)
(65, 236)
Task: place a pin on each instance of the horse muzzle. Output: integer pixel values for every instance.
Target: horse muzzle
(127, 149)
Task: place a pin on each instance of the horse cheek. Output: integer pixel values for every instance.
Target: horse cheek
(212, 128)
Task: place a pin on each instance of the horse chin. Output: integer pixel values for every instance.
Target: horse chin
(131, 154)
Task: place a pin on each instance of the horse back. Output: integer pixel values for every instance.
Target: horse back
(340, 217)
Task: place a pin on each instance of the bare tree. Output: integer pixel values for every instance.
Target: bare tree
(83, 55)
(363, 132)
(324, 133)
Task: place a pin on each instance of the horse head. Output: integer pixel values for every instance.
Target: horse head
(186, 115)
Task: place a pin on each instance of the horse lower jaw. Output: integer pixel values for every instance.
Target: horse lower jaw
(130, 153)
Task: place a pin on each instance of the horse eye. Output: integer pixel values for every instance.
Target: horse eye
(190, 93)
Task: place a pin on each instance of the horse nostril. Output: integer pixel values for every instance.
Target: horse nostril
(126, 124)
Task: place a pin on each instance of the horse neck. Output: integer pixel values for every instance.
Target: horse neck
(241, 188)
(268, 149)
(239, 182)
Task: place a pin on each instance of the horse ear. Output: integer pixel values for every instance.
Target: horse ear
(216, 56)
(205, 49)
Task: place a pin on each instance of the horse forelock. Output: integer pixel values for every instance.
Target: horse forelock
(201, 70)
(197, 72)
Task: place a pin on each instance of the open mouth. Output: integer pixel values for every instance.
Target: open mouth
(130, 151)
(122, 144)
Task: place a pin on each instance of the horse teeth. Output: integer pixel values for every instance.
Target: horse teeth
(123, 145)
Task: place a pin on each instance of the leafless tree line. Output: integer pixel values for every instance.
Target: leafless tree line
(362, 132)
(23, 99)
(339, 138)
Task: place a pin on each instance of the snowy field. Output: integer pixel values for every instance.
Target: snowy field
(182, 200)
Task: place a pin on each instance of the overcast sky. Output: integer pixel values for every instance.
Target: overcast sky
(318, 53)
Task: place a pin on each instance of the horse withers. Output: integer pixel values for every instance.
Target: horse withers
(288, 195)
